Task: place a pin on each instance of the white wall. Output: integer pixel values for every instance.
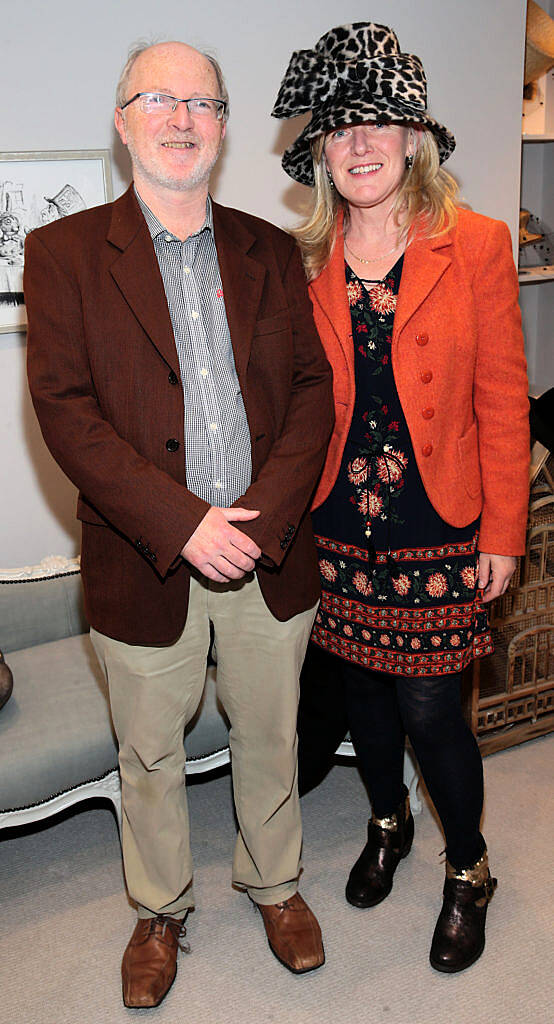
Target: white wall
(60, 62)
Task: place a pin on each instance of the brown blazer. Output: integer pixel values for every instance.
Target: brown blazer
(459, 367)
(104, 377)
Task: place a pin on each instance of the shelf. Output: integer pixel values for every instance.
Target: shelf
(535, 275)
(546, 137)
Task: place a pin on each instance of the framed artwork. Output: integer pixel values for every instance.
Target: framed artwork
(36, 188)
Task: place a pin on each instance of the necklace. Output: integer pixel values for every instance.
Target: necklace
(372, 259)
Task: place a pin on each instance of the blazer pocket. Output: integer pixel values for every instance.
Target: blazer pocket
(272, 324)
(87, 514)
(468, 455)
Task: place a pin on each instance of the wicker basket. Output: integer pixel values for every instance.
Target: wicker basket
(512, 695)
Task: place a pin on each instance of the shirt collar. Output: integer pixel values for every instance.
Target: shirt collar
(156, 227)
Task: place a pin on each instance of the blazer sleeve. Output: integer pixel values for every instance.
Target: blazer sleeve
(500, 399)
(285, 484)
(154, 511)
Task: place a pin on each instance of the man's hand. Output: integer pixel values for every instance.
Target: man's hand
(219, 550)
(495, 572)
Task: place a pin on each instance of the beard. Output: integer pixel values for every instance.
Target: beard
(179, 181)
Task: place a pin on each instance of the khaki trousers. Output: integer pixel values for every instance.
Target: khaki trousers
(155, 691)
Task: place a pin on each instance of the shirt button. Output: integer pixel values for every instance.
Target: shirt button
(172, 444)
(195, 314)
(168, 238)
(187, 270)
(428, 413)
(204, 372)
(218, 484)
(422, 339)
(172, 377)
(213, 427)
(427, 376)
(427, 449)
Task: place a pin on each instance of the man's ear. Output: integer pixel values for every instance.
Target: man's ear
(119, 122)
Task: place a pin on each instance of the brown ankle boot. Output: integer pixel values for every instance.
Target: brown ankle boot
(389, 840)
(459, 937)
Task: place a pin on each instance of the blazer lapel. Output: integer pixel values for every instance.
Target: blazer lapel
(137, 275)
(243, 279)
(425, 261)
(328, 291)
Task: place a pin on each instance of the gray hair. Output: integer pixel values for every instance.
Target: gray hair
(140, 47)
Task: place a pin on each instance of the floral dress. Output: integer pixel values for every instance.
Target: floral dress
(399, 584)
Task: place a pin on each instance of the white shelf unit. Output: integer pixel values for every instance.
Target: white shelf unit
(535, 275)
(537, 196)
(543, 137)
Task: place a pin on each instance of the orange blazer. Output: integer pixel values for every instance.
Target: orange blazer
(459, 366)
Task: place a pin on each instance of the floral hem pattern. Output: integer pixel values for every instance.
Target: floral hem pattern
(440, 631)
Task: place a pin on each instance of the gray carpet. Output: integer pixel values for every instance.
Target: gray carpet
(65, 919)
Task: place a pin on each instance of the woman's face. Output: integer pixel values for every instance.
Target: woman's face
(367, 161)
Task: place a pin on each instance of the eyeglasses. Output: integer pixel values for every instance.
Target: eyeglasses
(161, 103)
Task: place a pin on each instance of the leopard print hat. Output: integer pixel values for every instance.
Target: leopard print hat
(354, 73)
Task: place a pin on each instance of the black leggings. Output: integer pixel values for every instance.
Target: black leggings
(379, 710)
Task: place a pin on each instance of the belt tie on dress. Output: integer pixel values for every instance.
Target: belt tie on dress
(392, 564)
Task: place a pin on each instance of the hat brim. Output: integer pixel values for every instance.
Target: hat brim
(297, 159)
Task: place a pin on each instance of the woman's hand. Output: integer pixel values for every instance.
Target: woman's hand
(495, 572)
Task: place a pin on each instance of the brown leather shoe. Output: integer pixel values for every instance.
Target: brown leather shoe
(150, 960)
(294, 934)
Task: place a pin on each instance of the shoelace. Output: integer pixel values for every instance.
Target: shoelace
(177, 930)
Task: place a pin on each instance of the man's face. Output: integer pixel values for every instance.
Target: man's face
(171, 150)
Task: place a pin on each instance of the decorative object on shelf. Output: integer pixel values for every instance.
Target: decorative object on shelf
(536, 242)
(36, 188)
(538, 89)
(527, 237)
(539, 44)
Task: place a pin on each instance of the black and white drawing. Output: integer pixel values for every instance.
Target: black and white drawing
(36, 188)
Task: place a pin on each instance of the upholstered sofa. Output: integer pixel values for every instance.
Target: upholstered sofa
(57, 745)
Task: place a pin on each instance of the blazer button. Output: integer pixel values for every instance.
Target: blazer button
(428, 413)
(173, 378)
(172, 444)
(422, 339)
(427, 449)
(426, 376)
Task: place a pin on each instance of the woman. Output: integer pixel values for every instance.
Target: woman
(422, 505)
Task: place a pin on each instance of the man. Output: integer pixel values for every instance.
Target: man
(192, 498)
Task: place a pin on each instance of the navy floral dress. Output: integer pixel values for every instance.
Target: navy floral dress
(399, 584)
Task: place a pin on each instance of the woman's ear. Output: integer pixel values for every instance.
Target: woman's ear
(414, 140)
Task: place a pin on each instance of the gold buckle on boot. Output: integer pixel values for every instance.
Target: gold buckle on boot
(390, 824)
(478, 875)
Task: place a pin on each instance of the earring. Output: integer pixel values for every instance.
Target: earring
(409, 161)
(330, 178)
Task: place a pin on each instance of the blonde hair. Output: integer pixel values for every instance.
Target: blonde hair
(426, 203)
